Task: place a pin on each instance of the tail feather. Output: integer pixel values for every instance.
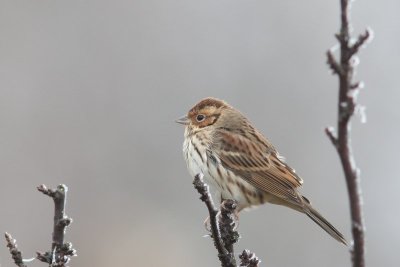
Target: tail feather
(324, 224)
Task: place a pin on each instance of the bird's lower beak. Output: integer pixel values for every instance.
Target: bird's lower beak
(183, 120)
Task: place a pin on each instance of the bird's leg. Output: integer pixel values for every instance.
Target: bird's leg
(207, 225)
(236, 219)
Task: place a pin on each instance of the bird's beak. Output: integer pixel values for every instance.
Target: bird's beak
(183, 120)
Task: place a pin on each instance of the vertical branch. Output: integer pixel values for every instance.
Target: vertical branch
(347, 106)
(60, 252)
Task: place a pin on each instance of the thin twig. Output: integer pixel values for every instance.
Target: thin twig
(332, 62)
(361, 41)
(347, 106)
(330, 132)
(15, 252)
(227, 259)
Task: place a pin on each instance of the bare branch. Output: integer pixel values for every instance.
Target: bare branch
(362, 39)
(333, 64)
(330, 132)
(227, 259)
(347, 106)
(43, 188)
(60, 252)
(15, 252)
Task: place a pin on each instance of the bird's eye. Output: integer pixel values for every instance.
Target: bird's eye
(200, 117)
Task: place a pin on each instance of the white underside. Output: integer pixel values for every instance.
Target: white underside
(218, 188)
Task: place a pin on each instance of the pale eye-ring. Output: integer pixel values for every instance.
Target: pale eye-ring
(200, 117)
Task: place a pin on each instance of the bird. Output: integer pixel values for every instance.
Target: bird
(239, 163)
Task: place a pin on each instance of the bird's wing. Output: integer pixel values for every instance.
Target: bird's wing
(258, 163)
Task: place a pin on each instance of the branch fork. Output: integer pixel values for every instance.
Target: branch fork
(60, 252)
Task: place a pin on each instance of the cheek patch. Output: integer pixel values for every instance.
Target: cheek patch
(209, 121)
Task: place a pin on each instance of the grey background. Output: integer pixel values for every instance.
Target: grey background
(89, 91)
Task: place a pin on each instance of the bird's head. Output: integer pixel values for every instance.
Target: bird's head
(203, 114)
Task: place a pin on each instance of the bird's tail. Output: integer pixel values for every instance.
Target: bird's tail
(324, 224)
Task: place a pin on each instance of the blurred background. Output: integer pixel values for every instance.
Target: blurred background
(89, 91)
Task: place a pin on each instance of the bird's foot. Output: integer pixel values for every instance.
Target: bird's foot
(236, 220)
(207, 223)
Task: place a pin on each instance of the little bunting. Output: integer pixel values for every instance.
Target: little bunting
(240, 163)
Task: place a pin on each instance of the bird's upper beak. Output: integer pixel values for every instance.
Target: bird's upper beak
(183, 120)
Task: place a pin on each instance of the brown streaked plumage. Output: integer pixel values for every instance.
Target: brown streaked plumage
(240, 163)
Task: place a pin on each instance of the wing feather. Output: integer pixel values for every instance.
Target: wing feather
(257, 163)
